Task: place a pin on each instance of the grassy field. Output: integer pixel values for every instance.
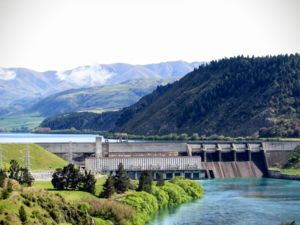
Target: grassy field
(40, 158)
(72, 195)
(29, 121)
(290, 171)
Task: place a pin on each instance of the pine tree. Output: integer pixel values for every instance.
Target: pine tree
(121, 180)
(22, 214)
(88, 182)
(108, 188)
(160, 180)
(145, 182)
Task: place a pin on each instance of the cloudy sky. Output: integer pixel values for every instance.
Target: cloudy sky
(62, 34)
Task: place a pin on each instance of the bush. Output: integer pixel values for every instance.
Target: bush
(110, 210)
(22, 214)
(141, 201)
(192, 188)
(161, 196)
(176, 194)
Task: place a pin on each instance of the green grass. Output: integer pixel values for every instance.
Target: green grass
(29, 121)
(41, 159)
(290, 171)
(72, 195)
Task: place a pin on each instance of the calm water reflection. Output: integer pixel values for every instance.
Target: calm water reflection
(238, 202)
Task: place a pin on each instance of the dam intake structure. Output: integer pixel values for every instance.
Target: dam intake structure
(194, 160)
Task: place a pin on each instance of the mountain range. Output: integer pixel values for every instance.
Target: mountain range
(232, 96)
(24, 91)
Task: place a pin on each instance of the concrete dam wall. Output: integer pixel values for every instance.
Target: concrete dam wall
(216, 159)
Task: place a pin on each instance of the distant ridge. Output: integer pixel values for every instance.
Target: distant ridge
(235, 96)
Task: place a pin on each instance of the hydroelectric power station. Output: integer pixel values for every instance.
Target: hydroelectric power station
(195, 160)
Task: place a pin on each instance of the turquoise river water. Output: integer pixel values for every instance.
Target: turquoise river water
(238, 202)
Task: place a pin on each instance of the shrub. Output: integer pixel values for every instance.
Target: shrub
(161, 196)
(22, 214)
(192, 188)
(141, 201)
(176, 194)
(110, 210)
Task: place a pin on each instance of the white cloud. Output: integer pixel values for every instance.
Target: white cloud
(85, 76)
(6, 74)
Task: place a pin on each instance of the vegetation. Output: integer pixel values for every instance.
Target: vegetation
(294, 160)
(70, 178)
(108, 188)
(145, 182)
(20, 123)
(22, 175)
(121, 180)
(238, 96)
(41, 159)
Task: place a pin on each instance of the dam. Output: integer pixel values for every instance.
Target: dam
(195, 160)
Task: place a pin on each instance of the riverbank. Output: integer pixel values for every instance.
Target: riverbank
(278, 174)
(129, 208)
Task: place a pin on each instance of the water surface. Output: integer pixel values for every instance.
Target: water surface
(238, 202)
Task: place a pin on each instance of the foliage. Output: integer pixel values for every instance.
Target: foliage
(121, 179)
(70, 178)
(22, 214)
(25, 177)
(161, 196)
(294, 159)
(141, 201)
(108, 188)
(3, 176)
(22, 175)
(88, 182)
(176, 194)
(145, 182)
(190, 187)
(160, 180)
(111, 211)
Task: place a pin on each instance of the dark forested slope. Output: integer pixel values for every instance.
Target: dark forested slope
(235, 96)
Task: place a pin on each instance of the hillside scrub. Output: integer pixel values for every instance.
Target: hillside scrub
(294, 160)
(130, 208)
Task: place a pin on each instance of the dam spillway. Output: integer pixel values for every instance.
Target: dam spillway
(207, 159)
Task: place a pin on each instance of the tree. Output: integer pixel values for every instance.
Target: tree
(22, 214)
(160, 179)
(25, 177)
(108, 188)
(67, 178)
(145, 182)
(3, 176)
(88, 182)
(121, 179)
(14, 170)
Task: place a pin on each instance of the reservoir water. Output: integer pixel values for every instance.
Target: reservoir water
(39, 138)
(238, 202)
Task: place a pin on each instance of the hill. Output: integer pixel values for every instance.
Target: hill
(41, 159)
(20, 88)
(232, 97)
(103, 98)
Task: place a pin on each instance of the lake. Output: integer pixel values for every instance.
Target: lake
(238, 202)
(39, 138)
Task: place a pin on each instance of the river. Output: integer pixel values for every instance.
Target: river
(238, 202)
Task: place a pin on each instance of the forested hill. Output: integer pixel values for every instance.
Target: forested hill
(234, 96)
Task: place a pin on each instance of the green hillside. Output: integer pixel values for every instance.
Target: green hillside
(239, 96)
(99, 99)
(41, 159)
